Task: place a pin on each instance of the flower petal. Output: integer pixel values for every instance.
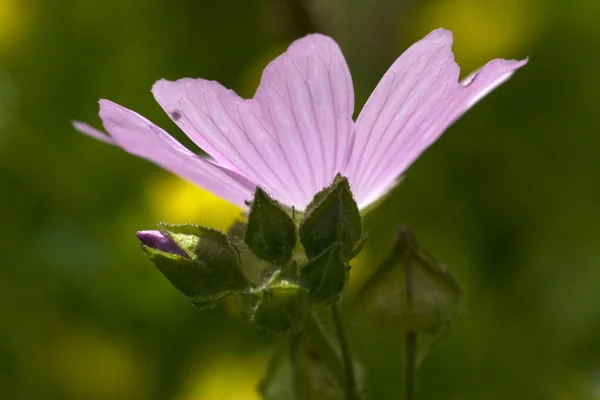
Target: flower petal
(292, 138)
(488, 78)
(308, 98)
(417, 99)
(228, 128)
(92, 132)
(138, 136)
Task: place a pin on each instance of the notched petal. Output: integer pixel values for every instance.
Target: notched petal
(417, 99)
(489, 77)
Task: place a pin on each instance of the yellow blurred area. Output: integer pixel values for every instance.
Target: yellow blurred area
(12, 22)
(227, 378)
(91, 366)
(174, 200)
(361, 268)
(485, 29)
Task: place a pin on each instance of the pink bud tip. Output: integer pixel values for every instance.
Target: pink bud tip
(161, 241)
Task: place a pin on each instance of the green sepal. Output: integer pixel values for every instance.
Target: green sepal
(331, 217)
(325, 275)
(191, 278)
(206, 244)
(282, 307)
(211, 270)
(270, 232)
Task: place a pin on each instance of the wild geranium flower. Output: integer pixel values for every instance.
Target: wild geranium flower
(297, 132)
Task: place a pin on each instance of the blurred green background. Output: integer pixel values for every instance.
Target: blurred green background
(508, 198)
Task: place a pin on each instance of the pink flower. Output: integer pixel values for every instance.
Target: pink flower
(297, 132)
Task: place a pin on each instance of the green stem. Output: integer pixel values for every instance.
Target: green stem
(279, 353)
(411, 364)
(322, 345)
(293, 343)
(350, 380)
(410, 338)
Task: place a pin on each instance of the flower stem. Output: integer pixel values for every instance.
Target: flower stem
(279, 353)
(325, 349)
(411, 364)
(350, 380)
(410, 338)
(293, 348)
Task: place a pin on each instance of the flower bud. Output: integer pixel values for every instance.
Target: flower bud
(332, 217)
(271, 232)
(161, 241)
(200, 262)
(410, 290)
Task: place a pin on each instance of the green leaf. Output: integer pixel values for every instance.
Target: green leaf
(270, 233)
(325, 275)
(331, 217)
(282, 307)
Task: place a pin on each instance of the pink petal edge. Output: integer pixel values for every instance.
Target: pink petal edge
(137, 135)
(417, 99)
